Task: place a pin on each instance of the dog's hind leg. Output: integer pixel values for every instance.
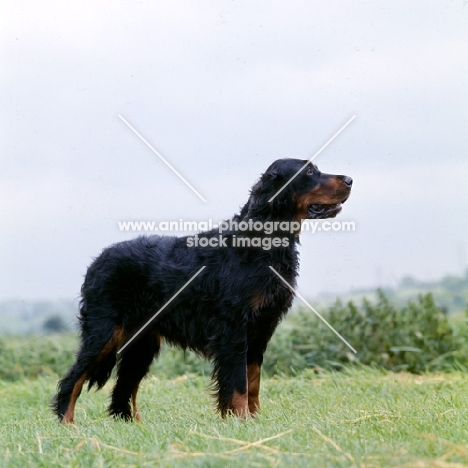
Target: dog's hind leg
(134, 363)
(94, 362)
(69, 390)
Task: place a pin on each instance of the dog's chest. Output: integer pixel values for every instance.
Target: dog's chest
(272, 299)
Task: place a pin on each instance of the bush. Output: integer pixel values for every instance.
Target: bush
(55, 324)
(415, 338)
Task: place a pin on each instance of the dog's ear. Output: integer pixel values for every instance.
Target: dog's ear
(259, 206)
(272, 174)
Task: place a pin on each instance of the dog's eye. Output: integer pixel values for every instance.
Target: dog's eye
(310, 171)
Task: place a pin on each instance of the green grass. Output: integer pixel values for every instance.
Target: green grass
(362, 418)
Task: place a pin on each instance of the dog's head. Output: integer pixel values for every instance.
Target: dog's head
(294, 189)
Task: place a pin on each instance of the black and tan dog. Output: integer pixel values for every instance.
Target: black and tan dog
(227, 314)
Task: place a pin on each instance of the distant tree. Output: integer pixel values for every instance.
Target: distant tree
(408, 282)
(55, 324)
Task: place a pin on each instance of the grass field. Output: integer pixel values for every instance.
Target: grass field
(361, 418)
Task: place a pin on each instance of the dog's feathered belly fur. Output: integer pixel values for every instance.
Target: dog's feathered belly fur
(228, 313)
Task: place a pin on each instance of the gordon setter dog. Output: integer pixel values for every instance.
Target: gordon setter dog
(227, 314)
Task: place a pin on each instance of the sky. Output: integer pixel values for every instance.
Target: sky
(222, 89)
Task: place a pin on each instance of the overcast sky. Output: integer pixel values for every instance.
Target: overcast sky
(221, 89)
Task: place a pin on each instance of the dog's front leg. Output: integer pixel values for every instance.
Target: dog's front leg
(230, 376)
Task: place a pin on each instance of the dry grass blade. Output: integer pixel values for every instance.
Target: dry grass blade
(245, 444)
(335, 446)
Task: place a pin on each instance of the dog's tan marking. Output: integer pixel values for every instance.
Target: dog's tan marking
(240, 404)
(136, 413)
(330, 193)
(253, 379)
(258, 302)
(69, 416)
(114, 343)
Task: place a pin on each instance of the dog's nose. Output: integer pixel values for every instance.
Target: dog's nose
(348, 181)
